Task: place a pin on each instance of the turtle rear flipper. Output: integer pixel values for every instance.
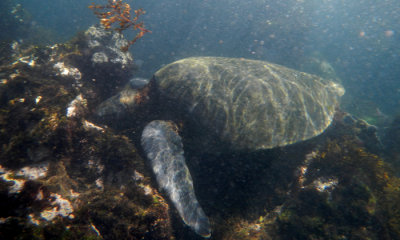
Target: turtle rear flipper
(164, 149)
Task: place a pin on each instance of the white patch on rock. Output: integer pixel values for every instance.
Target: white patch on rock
(37, 99)
(61, 207)
(147, 189)
(77, 106)
(28, 60)
(100, 183)
(325, 185)
(93, 43)
(99, 57)
(322, 184)
(17, 183)
(67, 71)
(302, 170)
(96, 33)
(119, 40)
(122, 58)
(88, 125)
(33, 220)
(34, 172)
(6, 175)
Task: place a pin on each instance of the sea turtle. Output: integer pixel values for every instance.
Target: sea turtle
(229, 104)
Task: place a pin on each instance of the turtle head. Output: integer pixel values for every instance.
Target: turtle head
(133, 96)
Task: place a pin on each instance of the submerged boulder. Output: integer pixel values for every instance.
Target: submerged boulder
(332, 187)
(61, 175)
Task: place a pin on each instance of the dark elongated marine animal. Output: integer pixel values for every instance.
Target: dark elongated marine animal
(225, 103)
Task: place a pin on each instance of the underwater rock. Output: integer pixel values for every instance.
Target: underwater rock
(77, 107)
(365, 133)
(391, 141)
(357, 204)
(106, 66)
(340, 190)
(67, 71)
(60, 207)
(106, 48)
(62, 176)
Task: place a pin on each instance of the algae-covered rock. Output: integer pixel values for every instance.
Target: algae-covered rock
(391, 141)
(339, 190)
(61, 175)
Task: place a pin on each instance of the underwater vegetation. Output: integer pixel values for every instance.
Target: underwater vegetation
(119, 12)
(348, 196)
(343, 191)
(61, 175)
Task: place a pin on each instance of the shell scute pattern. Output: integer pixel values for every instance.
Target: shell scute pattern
(251, 104)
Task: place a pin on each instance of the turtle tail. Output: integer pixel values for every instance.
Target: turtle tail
(164, 149)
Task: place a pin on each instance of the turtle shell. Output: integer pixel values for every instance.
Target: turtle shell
(250, 104)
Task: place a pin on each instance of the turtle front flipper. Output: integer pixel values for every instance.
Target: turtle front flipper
(164, 149)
